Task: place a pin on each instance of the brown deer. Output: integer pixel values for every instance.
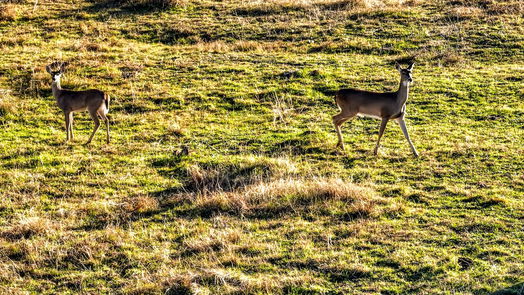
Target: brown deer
(385, 106)
(94, 101)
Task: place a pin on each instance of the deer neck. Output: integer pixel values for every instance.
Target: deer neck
(403, 92)
(55, 87)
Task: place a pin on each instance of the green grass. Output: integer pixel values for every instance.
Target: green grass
(263, 203)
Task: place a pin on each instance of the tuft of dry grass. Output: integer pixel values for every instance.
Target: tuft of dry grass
(238, 46)
(450, 58)
(268, 186)
(85, 45)
(294, 194)
(257, 7)
(175, 129)
(7, 104)
(243, 172)
(507, 7)
(287, 196)
(26, 227)
(476, 8)
(147, 3)
(212, 241)
(8, 12)
(464, 12)
(141, 205)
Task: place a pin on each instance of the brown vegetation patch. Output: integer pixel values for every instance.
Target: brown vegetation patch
(143, 3)
(507, 7)
(211, 242)
(464, 12)
(97, 215)
(268, 198)
(8, 12)
(236, 173)
(468, 8)
(7, 104)
(27, 227)
(175, 129)
(261, 8)
(268, 187)
(219, 46)
(141, 205)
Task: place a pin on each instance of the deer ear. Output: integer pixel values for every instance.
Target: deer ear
(397, 66)
(63, 66)
(410, 67)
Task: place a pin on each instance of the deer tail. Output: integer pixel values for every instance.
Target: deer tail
(336, 97)
(106, 101)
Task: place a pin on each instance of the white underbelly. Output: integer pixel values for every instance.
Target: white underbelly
(368, 115)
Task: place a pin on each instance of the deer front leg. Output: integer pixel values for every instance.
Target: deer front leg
(381, 131)
(405, 131)
(67, 125)
(338, 120)
(71, 125)
(337, 124)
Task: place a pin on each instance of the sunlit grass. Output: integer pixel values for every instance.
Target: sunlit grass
(222, 177)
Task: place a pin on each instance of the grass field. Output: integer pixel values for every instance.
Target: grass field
(263, 203)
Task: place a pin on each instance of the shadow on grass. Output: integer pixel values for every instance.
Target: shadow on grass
(122, 7)
(517, 289)
(334, 274)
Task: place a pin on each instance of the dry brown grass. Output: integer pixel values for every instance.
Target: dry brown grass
(7, 104)
(288, 196)
(248, 170)
(175, 129)
(238, 46)
(26, 227)
(475, 8)
(8, 12)
(257, 186)
(296, 194)
(260, 7)
(451, 58)
(507, 7)
(215, 240)
(148, 3)
(141, 205)
(86, 45)
(463, 12)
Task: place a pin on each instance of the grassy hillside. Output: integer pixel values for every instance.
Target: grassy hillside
(263, 203)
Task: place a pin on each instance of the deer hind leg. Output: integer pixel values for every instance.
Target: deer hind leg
(338, 120)
(106, 120)
(402, 124)
(380, 133)
(97, 125)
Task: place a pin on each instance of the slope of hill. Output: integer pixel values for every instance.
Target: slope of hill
(262, 203)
